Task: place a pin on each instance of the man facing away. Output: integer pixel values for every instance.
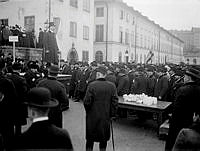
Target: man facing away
(100, 104)
(42, 134)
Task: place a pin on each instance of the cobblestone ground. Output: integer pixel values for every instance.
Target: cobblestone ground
(129, 134)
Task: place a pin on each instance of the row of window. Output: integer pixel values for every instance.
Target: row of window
(86, 4)
(73, 31)
(123, 15)
(126, 16)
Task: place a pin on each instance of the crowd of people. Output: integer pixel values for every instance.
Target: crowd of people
(26, 38)
(32, 90)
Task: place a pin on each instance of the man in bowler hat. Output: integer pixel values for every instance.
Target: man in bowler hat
(42, 134)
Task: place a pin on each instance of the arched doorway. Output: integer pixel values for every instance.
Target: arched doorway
(72, 56)
(99, 56)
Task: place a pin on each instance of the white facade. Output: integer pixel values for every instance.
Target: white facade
(15, 11)
(143, 36)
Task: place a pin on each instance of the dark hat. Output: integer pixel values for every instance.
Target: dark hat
(140, 69)
(193, 71)
(101, 69)
(51, 24)
(94, 63)
(150, 68)
(40, 97)
(16, 66)
(161, 69)
(54, 69)
(33, 65)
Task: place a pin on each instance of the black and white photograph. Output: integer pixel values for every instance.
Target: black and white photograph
(99, 75)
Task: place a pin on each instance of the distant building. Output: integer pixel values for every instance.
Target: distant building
(122, 34)
(74, 22)
(191, 44)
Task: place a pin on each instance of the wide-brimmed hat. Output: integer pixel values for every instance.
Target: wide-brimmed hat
(40, 97)
(193, 71)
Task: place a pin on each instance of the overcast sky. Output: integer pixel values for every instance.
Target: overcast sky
(170, 14)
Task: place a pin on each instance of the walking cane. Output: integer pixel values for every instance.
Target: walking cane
(113, 143)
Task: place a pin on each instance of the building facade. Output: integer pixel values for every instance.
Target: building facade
(191, 48)
(73, 19)
(122, 34)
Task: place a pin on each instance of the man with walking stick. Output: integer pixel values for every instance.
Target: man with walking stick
(100, 104)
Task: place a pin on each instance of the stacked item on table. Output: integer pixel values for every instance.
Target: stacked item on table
(140, 98)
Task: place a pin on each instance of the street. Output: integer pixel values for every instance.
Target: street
(129, 134)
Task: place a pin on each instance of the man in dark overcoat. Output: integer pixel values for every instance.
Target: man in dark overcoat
(32, 75)
(58, 91)
(111, 75)
(21, 89)
(42, 134)
(140, 82)
(100, 104)
(122, 82)
(7, 106)
(186, 102)
(151, 80)
(162, 84)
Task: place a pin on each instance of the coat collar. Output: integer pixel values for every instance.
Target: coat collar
(51, 78)
(101, 79)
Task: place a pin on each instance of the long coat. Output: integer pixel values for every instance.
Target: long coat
(140, 84)
(21, 90)
(58, 91)
(100, 104)
(151, 81)
(122, 84)
(161, 87)
(43, 135)
(186, 102)
(7, 109)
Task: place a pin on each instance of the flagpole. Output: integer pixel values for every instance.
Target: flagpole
(49, 13)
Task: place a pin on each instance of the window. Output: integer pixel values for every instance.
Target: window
(121, 14)
(127, 37)
(120, 35)
(29, 23)
(4, 22)
(74, 3)
(133, 21)
(99, 33)
(100, 12)
(85, 56)
(127, 17)
(86, 32)
(86, 5)
(73, 29)
(132, 39)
